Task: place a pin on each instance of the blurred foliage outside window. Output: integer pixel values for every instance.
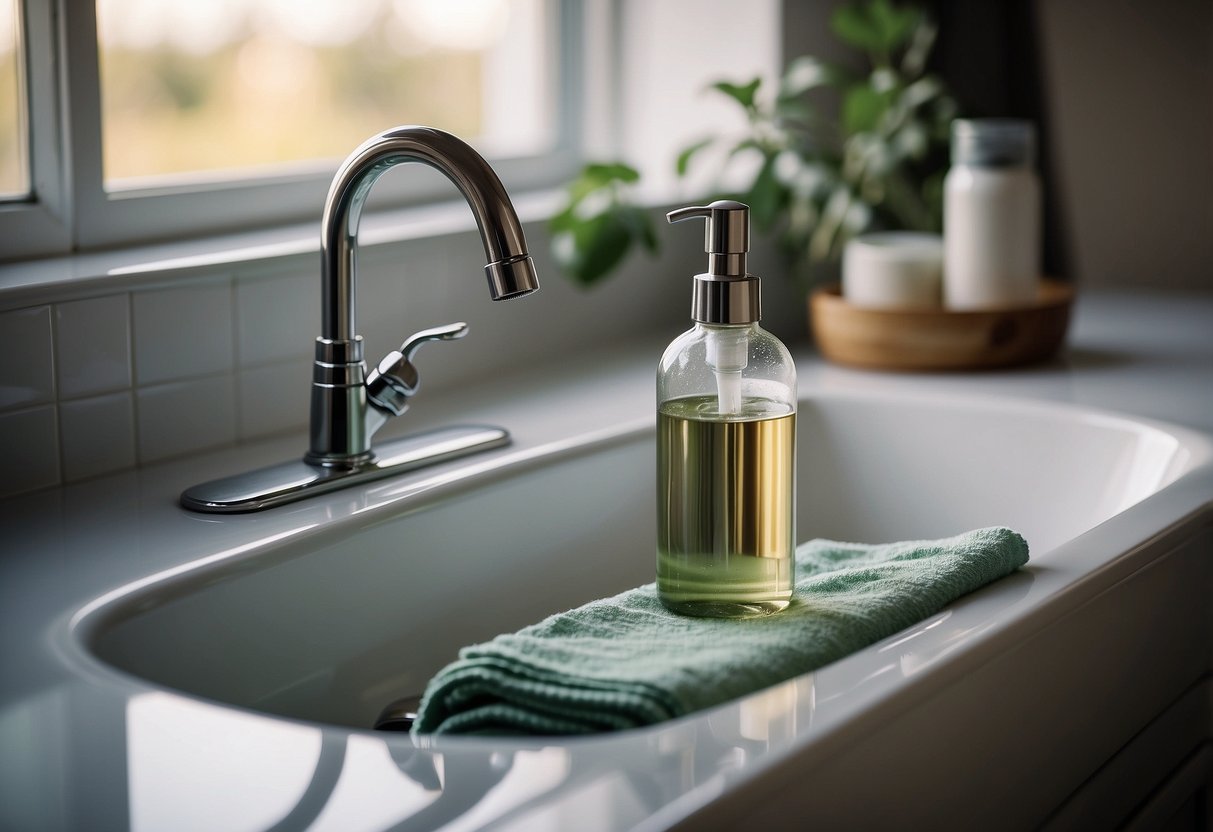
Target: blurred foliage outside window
(198, 87)
(14, 158)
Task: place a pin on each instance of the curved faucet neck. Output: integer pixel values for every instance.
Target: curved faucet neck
(509, 268)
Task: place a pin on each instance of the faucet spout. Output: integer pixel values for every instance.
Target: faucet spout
(510, 270)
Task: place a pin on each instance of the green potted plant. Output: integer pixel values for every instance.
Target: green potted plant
(819, 178)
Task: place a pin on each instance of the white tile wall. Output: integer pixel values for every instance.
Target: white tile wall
(130, 378)
(274, 398)
(26, 376)
(29, 448)
(93, 346)
(277, 318)
(97, 435)
(183, 332)
(107, 383)
(185, 416)
(411, 291)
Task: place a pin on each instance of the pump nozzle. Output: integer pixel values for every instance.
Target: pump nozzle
(726, 293)
(726, 236)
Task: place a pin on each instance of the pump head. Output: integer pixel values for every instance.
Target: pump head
(726, 293)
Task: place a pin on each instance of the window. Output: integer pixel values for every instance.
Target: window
(191, 117)
(190, 87)
(14, 164)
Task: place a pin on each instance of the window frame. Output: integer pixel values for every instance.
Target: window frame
(70, 210)
(40, 223)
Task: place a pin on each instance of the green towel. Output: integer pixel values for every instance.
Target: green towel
(626, 662)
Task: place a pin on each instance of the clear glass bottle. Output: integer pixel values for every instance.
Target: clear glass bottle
(726, 442)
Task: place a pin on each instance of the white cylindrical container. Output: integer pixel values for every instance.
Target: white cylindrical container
(991, 216)
(893, 270)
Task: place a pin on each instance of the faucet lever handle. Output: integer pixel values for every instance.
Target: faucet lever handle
(447, 332)
(391, 384)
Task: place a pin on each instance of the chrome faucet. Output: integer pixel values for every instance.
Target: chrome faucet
(349, 404)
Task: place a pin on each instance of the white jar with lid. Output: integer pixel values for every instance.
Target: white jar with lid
(991, 215)
(893, 270)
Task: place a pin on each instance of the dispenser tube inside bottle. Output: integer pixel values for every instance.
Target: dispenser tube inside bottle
(727, 355)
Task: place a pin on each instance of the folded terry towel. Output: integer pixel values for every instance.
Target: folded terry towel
(626, 661)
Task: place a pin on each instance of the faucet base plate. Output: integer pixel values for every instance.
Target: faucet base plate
(297, 480)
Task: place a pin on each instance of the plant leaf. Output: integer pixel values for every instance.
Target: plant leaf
(766, 196)
(853, 27)
(823, 241)
(877, 27)
(921, 91)
(597, 228)
(598, 175)
(744, 144)
(793, 110)
(643, 229)
(914, 59)
(688, 152)
(607, 172)
(743, 94)
(639, 224)
(861, 109)
(894, 25)
(806, 73)
(564, 221)
(593, 248)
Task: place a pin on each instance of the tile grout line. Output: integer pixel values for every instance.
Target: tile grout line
(234, 334)
(61, 462)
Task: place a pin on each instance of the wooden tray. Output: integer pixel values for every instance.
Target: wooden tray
(939, 339)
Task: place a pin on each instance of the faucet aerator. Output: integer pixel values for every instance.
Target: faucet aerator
(513, 278)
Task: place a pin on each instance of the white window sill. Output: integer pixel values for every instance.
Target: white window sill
(56, 279)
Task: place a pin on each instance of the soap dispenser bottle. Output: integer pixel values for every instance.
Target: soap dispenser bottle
(726, 441)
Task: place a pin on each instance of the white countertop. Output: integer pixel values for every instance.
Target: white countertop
(63, 742)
